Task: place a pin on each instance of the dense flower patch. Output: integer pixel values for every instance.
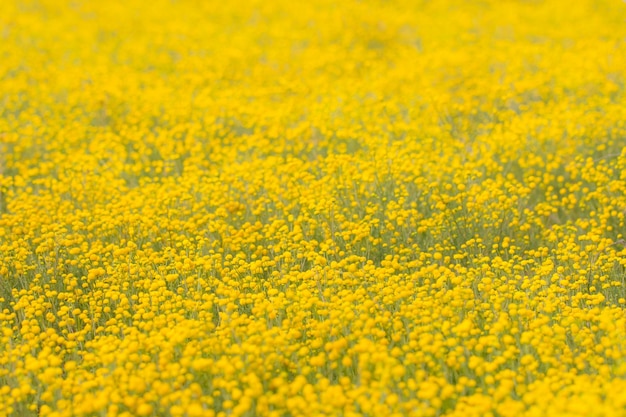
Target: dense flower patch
(269, 208)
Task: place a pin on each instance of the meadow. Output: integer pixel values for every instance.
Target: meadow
(274, 208)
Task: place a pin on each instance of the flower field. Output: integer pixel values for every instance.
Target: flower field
(268, 208)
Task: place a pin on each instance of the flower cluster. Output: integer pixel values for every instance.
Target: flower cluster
(270, 208)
